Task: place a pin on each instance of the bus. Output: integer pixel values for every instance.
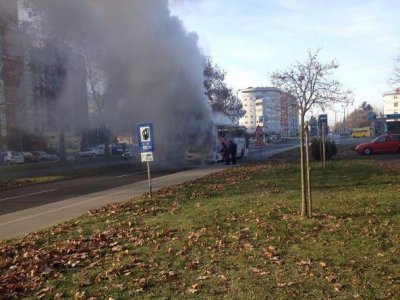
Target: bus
(361, 132)
(221, 133)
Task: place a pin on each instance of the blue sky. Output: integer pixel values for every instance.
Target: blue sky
(252, 38)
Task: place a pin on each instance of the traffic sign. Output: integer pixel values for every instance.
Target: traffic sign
(259, 131)
(147, 156)
(145, 137)
(259, 134)
(323, 123)
(260, 141)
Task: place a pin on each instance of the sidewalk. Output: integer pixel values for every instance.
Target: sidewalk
(25, 221)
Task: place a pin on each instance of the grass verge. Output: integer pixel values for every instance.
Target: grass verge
(236, 234)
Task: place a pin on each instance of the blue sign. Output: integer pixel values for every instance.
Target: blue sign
(323, 123)
(263, 119)
(393, 116)
(371, 116)
(145, 137)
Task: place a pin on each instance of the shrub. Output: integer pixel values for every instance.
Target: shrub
(330, 149)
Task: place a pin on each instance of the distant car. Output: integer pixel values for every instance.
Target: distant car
(90, 152)
(388, 143)
(44, 156)
(120, 148)
(29, 157)
(130, 155)
(13, 157)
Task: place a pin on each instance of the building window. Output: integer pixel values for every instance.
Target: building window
(395, 96)
(396, 104)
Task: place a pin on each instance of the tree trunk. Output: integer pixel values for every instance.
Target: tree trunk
(302, 161)
(309, 208)
(107, 152)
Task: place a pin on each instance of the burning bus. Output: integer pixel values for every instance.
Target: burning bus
(208, 152)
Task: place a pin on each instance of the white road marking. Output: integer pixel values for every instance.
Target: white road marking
(27, 195)
(126, 175)
(61, 208)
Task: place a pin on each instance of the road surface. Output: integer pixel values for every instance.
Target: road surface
(27, 209)
(25, 197)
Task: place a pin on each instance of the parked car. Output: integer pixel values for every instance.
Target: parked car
(90, 152)
(44, 156)
(13, 157)
(130, 155)
(119, 148)
(387, 143)
(29, 157)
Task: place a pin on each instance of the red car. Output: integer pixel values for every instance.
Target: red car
(388, 143)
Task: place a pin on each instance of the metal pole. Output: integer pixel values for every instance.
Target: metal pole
(320, 148)
(149, 177)
(344, 119)
(308, 165)
(20, 139)
(323, 146)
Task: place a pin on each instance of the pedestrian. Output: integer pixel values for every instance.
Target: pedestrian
(225, 152)
(232, 151)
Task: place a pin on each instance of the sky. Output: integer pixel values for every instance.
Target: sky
(250, 39)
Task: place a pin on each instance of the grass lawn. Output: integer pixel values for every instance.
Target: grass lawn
(235, 235)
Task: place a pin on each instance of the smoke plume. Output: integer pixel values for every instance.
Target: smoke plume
(147, 67)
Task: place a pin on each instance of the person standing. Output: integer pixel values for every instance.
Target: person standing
(232, 151)
(225, 152)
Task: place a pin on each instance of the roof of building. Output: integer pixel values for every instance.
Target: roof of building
(396, 91)
(259, 89)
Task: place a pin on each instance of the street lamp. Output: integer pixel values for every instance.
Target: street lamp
(344, 106)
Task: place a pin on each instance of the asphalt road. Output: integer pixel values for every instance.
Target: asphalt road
(20, 198)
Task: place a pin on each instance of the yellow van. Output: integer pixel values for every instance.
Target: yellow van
(361, 132)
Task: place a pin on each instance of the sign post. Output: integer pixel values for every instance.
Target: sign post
(146, 146)
(323, 127)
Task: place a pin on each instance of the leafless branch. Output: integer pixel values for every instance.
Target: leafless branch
(311, 85)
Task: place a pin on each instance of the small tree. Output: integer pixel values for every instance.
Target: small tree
(311, 85)
(330, 146)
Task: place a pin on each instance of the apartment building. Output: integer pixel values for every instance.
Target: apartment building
(42, 86)
(10, 73)
(391, 110)
(269, 108)
(392, 102)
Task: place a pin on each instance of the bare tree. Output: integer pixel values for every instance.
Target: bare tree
(310, 83)
(220, 96)
(97, 88)
(359, 117)
(394, 80)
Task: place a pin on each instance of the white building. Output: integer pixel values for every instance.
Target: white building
(267, 107)
(391, 102)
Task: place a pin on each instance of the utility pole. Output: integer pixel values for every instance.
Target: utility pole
(344, 118)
